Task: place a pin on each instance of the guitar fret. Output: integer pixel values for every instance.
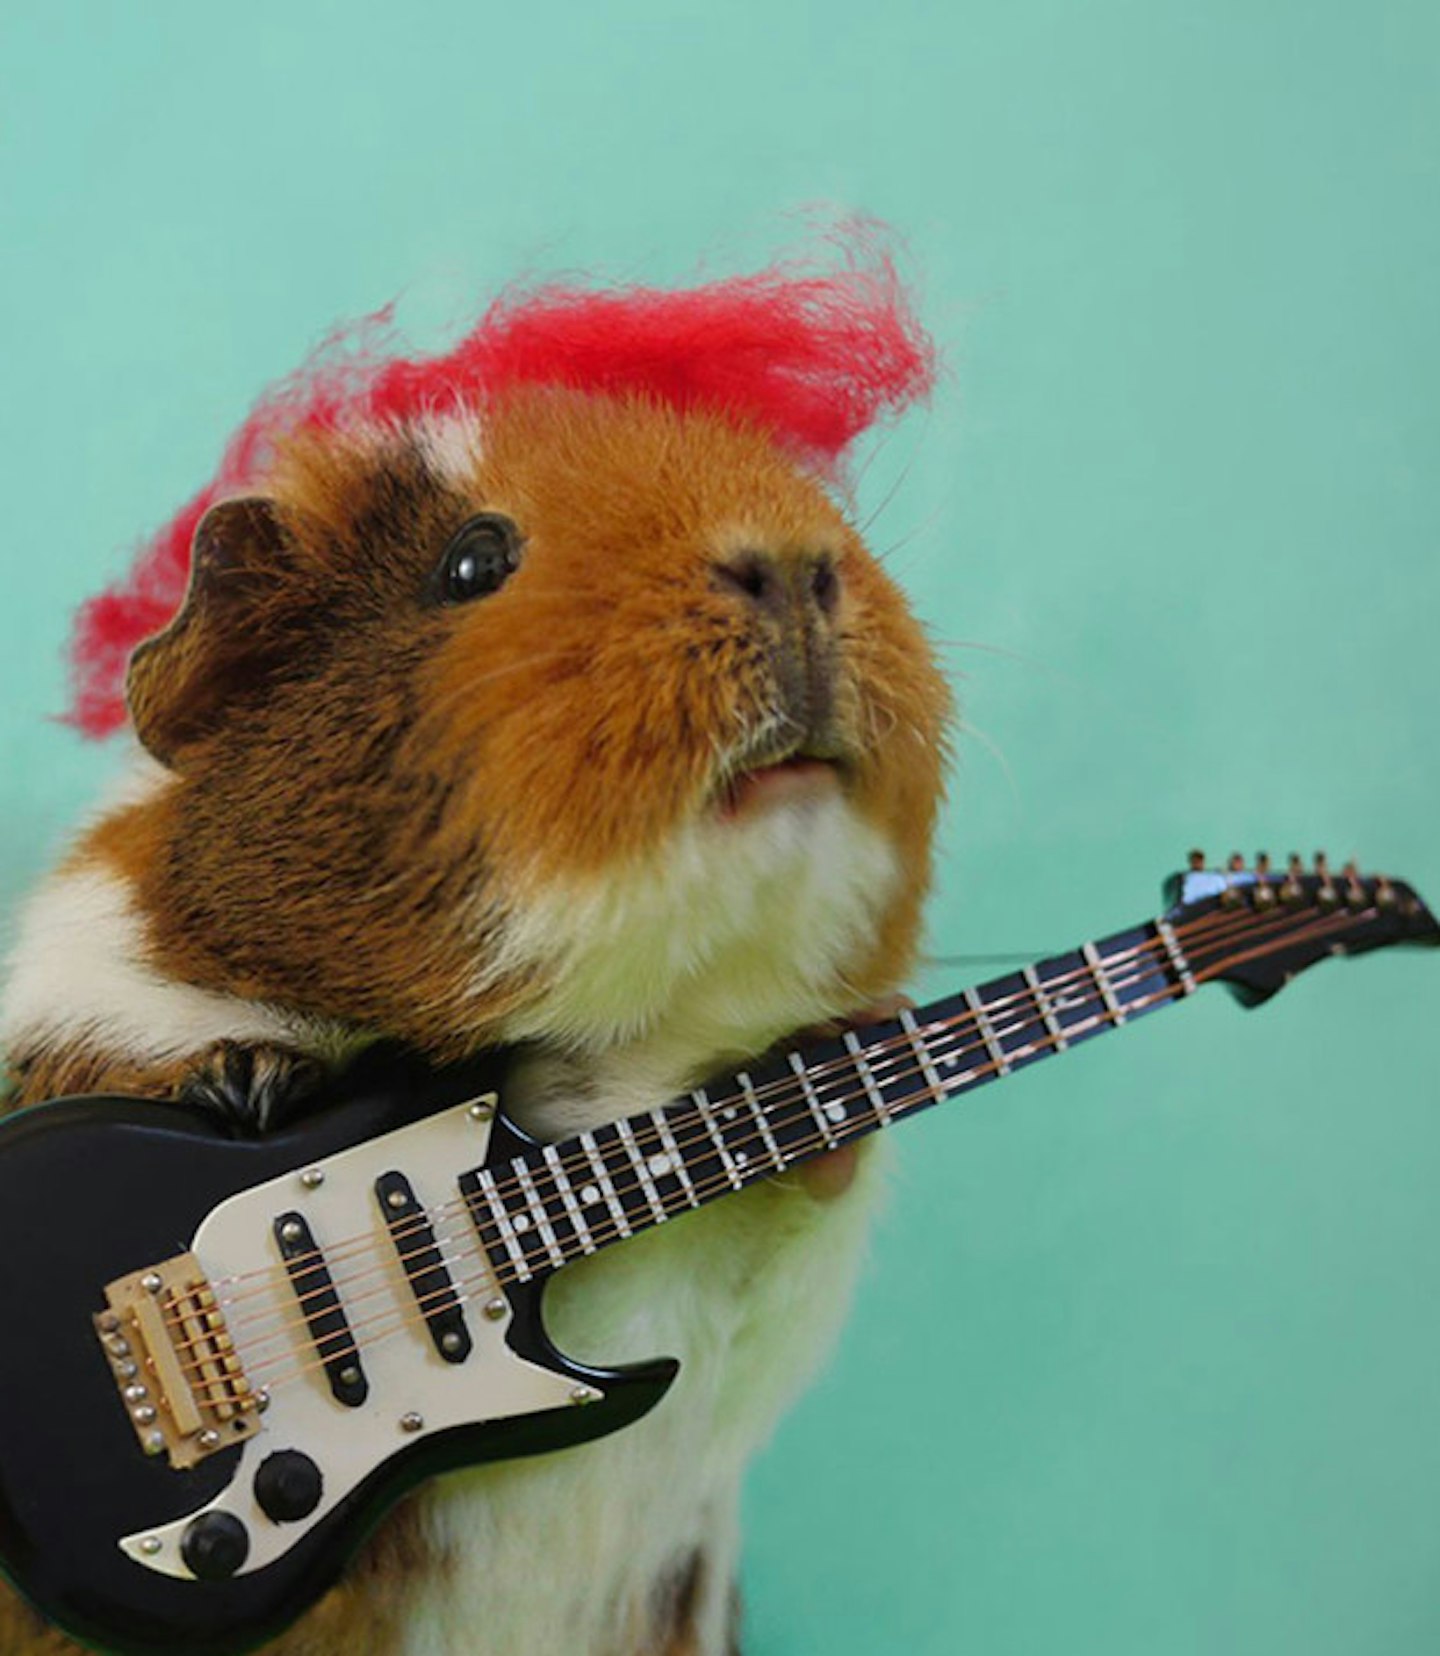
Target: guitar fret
(503, 1224)
(561, 1181)
(1047, 1012)
(1102, 983)
(817, 1109)
(702, 1103)
(1177, 956)
(986, 1032)
(677, 1161)
(867, 1078)
(642, 1170)
(598, 1166)
(922, 1052)
(757, 1110)
(537, 1208)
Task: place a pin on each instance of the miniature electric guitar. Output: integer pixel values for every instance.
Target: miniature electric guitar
(224, 1358)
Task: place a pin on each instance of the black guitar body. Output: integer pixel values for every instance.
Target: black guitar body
(91, 1189)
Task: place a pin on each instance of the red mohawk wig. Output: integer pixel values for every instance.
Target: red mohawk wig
(813, 357)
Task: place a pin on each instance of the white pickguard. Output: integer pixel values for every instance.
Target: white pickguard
(408, 1378)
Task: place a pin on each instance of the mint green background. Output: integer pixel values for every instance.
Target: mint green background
(1148, 1359)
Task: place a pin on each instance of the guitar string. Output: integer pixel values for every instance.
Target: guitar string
(272, 1371)
(843, 1065)
(841, 1069)
(622, 1189)
(858, 1126)
(899, 1047)
(458, 1293)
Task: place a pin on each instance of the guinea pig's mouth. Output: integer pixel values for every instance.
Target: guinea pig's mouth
(794, 779)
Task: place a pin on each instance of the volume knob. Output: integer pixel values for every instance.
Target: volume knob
(215, 1545)
(288, 1486)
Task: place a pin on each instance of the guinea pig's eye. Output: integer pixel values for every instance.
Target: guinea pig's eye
(481, 557)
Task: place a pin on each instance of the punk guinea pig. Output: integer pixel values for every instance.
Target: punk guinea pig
(538, 693)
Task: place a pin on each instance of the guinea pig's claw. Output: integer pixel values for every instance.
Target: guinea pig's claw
(250, 1089)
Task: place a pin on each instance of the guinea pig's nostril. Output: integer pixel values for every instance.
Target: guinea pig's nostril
(825, 584)
(752, 575)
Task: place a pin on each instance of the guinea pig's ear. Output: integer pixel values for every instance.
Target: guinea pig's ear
(219, 643)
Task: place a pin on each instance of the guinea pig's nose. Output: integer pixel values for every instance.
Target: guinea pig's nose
(768, 582)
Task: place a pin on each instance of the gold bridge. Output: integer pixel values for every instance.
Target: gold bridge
(179, 1377)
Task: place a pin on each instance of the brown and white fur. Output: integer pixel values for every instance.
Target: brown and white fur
(661, 799)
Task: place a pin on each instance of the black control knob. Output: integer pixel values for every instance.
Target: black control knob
(288, 1486)
(215, 1545)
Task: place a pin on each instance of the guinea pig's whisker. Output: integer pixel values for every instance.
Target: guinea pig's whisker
(964, 728)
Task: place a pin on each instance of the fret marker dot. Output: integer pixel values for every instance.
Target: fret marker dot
(521, 1221)
(835, 1112)
(589, 1195)
(740, 1158)
(730, 1113)
(659, 1166)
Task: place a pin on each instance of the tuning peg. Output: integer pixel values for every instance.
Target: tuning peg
(1236, 864)
(1384, 893)
(1197, 862)
(1262, 862)
(1354, 890)
(1325, 893)
(1292, 891)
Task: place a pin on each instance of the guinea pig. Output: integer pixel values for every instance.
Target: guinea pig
(565, 712)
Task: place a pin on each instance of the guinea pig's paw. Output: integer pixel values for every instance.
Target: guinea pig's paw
(252, 1089)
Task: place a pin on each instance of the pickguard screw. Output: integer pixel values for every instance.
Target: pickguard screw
(291, 1231)
(312, 1178)
(151, 1545)
(151, 1282)
(450, 1341)
(584, 1394)
(262, 1400)
(396, 1199)
(144, 1415)
(411, 1422)
(209, 1438)
(136, 1394)
(481, 1110)
(154, 1443)
(109, 1322)
(496, 1308)
(350, 1375)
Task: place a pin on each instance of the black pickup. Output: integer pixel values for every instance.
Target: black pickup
(324, 1315)
(424, 1266)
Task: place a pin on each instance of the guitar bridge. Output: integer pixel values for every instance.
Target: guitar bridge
(182, 1384)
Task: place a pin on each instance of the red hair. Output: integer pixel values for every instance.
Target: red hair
(812, 357)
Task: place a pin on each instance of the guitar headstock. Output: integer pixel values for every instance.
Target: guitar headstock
(1254, 928)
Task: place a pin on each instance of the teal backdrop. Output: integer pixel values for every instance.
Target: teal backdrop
(1147, 1359)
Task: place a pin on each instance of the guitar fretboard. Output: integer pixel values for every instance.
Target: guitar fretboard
(562, 1201)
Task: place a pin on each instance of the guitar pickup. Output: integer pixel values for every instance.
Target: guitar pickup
(320, 1305)
(424, 1266)
(182, 1384)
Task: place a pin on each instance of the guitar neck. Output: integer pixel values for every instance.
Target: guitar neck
(1253, 930)
(559, 1202)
